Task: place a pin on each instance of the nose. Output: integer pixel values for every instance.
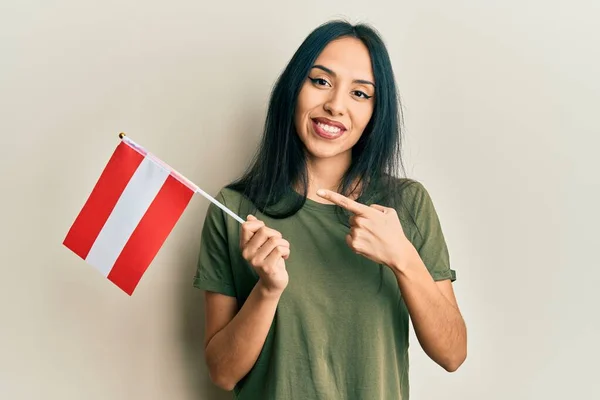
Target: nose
(335, 103)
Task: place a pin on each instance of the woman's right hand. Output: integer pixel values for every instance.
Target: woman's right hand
(266, 250)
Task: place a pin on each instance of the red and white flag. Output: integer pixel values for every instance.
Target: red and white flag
(130, 212)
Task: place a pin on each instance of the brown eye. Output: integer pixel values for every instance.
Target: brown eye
(319, 81)
(362, 94)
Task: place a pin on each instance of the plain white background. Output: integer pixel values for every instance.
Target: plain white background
(500, 102)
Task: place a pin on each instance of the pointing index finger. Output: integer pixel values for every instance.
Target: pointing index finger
(343, 201)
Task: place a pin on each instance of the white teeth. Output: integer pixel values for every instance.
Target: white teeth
(328, 128)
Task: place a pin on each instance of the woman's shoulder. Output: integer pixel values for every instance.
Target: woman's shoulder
(230, 198)
(402, 192)
(229, 195)
(415, 209)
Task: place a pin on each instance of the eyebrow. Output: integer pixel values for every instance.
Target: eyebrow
(330, 72)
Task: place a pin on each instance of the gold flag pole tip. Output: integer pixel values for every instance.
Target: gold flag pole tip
(121, 135)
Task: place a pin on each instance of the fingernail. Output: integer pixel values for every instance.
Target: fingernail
(321, 192)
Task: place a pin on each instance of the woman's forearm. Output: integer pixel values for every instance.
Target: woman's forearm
(232, 352)
(438, 324)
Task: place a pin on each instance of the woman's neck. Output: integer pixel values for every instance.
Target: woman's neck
(325, 173)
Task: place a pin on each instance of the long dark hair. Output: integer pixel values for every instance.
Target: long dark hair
(280, 161)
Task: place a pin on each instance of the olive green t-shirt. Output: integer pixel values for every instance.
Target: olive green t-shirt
(341, 327)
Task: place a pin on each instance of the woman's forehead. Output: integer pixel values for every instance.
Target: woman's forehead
(347, 57)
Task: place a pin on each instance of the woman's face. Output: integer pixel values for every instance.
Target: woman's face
(336, 102)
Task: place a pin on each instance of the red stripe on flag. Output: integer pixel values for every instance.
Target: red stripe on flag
(102, 200)
(150, 234)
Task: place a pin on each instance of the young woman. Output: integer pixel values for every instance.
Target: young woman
(311, 297)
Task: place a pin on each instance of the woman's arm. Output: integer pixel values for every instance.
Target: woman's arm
(434, 312)
(376, 233)
(235, 339)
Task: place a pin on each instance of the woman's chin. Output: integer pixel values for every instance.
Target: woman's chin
(320, 151)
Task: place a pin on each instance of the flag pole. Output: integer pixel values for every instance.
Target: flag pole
(184, 180)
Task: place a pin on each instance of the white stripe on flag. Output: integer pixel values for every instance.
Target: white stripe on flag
(137, 196)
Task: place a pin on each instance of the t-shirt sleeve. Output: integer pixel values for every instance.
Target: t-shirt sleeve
(429, 238)
(214, 272)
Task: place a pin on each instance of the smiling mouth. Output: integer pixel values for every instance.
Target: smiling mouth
(326, 130)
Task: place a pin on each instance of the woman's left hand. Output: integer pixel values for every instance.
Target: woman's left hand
(375, 231)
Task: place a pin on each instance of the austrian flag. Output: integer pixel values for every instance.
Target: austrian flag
(131, 210)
